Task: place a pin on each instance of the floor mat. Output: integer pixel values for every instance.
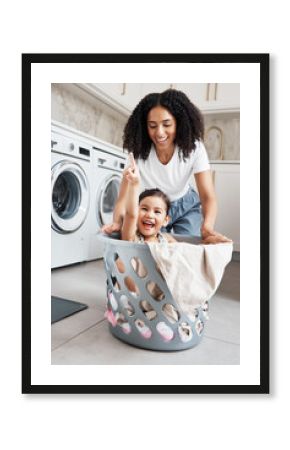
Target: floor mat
(61, 308)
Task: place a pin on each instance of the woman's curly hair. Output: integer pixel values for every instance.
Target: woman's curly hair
(189, 123)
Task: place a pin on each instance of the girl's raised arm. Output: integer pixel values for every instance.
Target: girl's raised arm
(132, 201)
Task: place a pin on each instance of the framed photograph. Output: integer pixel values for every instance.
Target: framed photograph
(85, 329)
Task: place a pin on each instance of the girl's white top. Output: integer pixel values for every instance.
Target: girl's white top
(175, 177)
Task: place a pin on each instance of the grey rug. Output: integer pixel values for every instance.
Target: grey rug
(61, 308)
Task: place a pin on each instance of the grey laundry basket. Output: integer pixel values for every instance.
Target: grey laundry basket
(151, 318)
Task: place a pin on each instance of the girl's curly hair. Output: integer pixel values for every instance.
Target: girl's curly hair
(189, 123)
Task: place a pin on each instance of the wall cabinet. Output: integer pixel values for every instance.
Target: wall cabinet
(226, 179)
(211, 97)
(122, 97)
(114, 90)
(134, 92)
(228, 95)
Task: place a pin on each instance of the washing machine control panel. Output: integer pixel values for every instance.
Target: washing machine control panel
(69, 146)
(105, 159)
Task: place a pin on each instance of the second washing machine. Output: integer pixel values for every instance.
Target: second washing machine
(108, 163)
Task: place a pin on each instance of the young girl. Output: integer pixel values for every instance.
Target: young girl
(146, 214)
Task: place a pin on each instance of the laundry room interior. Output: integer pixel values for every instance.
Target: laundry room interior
(87, 163)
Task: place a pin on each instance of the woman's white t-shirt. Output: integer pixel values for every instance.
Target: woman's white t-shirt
(175, 177)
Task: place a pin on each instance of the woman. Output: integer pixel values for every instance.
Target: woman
(165, 133)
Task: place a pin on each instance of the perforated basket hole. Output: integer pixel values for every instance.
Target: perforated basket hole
(205, 306)
(115, 283)
(110, 316)
(185, 331)
(112, 301)
(122, 322)
(127, 306)
(131, 285)
(120, 318)
(148, 309)
(139, 267)
(170, 312)
(119, 263)
(143, 329)
(199, 326)
(193, 315)
(205, 309)
(155, 291)
(165, 331)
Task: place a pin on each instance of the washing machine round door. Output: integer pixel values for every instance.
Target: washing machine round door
(106, 199)
(69, 195)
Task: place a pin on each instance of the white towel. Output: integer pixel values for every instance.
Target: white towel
(192, 272)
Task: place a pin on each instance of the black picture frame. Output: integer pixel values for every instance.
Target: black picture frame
(260, 59)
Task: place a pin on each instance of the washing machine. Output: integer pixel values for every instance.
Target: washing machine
(70, 196)
(108, 163)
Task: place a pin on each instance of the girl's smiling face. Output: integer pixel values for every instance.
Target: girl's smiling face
(152, 216)
(161, 126)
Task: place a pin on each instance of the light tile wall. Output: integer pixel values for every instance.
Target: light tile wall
(82, 111)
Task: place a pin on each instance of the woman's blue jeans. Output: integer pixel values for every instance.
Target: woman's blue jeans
(185, 215)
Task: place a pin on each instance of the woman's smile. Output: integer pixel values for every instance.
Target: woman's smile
(161, 141)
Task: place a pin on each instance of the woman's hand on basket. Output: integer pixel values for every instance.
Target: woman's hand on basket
(110, 228)
(210, 236)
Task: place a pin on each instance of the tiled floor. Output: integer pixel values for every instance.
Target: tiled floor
(84, 338)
